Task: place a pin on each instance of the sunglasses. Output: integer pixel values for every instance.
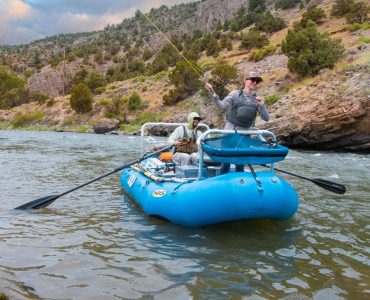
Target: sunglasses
(197, 119)
(254, 79)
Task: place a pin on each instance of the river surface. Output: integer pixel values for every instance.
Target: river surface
(95, 243)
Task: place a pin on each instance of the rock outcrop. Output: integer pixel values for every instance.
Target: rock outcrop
(337, 118)
(105, 126)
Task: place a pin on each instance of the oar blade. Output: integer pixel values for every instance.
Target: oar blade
(330, 186)
(38, 203)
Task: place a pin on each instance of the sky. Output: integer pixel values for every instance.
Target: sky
(22, 21)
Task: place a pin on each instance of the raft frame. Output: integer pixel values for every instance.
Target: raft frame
(258, 133)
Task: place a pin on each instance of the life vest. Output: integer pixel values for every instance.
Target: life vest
(188, 144)
(243, 111)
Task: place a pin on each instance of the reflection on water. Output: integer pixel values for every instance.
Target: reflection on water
(95, 243)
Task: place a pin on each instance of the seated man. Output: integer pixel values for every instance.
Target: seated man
(185, 140)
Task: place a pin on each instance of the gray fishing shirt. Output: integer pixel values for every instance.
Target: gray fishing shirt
(227, 102)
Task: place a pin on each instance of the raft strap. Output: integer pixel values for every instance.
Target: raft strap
(259, 184)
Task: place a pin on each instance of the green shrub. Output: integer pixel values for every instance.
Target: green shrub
(134, 101)
(159, 64)
(341, 8)
(364, 40)
(55, 60)
(212, 48)
(21, 120)
(260, 54)
(81, 98)
(165, 58)
(75, 120)
(358, 26)
(309, 51)
(37, 97)
(150, 117)
(223, 75)
(77, 78)
(286, 4)
(358, 13)
(206, 64)
(104, 102)
(139, 78)
(160, 75)
(354, 12)
(115, 108)
(147, 54)
(100, 89)
(257, 6)
(241, 19)
(174, 96)
(50, 102)
(12, 90)
(95, 80)
(135, 68)
(71, 57)
(254, 39)
(269, 23)
(99, 58)
(185, 80)
(271, 99)
(314, 14)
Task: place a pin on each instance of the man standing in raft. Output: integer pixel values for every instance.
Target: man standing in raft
(242, 107)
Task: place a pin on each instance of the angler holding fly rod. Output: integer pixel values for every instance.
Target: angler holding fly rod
(242, 107)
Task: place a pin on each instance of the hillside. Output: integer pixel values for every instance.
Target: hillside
(330, 110)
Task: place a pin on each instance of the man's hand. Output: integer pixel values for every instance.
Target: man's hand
(259, 100)
(209, 88)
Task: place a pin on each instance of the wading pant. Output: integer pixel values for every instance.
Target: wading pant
(225, 167)
(181, 159)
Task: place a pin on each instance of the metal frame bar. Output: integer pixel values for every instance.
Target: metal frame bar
(258, 133)
(144, 126)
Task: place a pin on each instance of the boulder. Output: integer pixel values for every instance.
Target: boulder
(105, 126)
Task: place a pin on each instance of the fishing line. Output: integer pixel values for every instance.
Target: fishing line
(197, 71)
(165, 36)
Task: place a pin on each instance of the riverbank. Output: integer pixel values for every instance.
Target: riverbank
(330, 111)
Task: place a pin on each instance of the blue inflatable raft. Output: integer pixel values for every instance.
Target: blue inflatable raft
(199, 196)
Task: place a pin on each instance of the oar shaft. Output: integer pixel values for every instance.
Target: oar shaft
(117, 169)
(293, 174)
(45, 201)
(87, 183)
(325, 184)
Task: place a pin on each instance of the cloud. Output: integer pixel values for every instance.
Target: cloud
(15, 9)
(13, 13)
(22, 21)
(18, 34)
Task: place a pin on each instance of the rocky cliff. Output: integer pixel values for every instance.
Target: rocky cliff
(330, 113)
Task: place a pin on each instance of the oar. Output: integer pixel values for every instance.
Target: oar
(325, 184)
(45, 201)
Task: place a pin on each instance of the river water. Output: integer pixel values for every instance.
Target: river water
(95, 243)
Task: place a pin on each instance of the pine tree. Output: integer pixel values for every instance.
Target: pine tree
(81, 98)
(309, 51)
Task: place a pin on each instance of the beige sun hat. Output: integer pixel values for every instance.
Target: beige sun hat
(253, 74)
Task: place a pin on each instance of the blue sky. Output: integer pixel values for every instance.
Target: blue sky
(22, 21)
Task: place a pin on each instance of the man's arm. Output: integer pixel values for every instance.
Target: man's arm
(175, 136)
